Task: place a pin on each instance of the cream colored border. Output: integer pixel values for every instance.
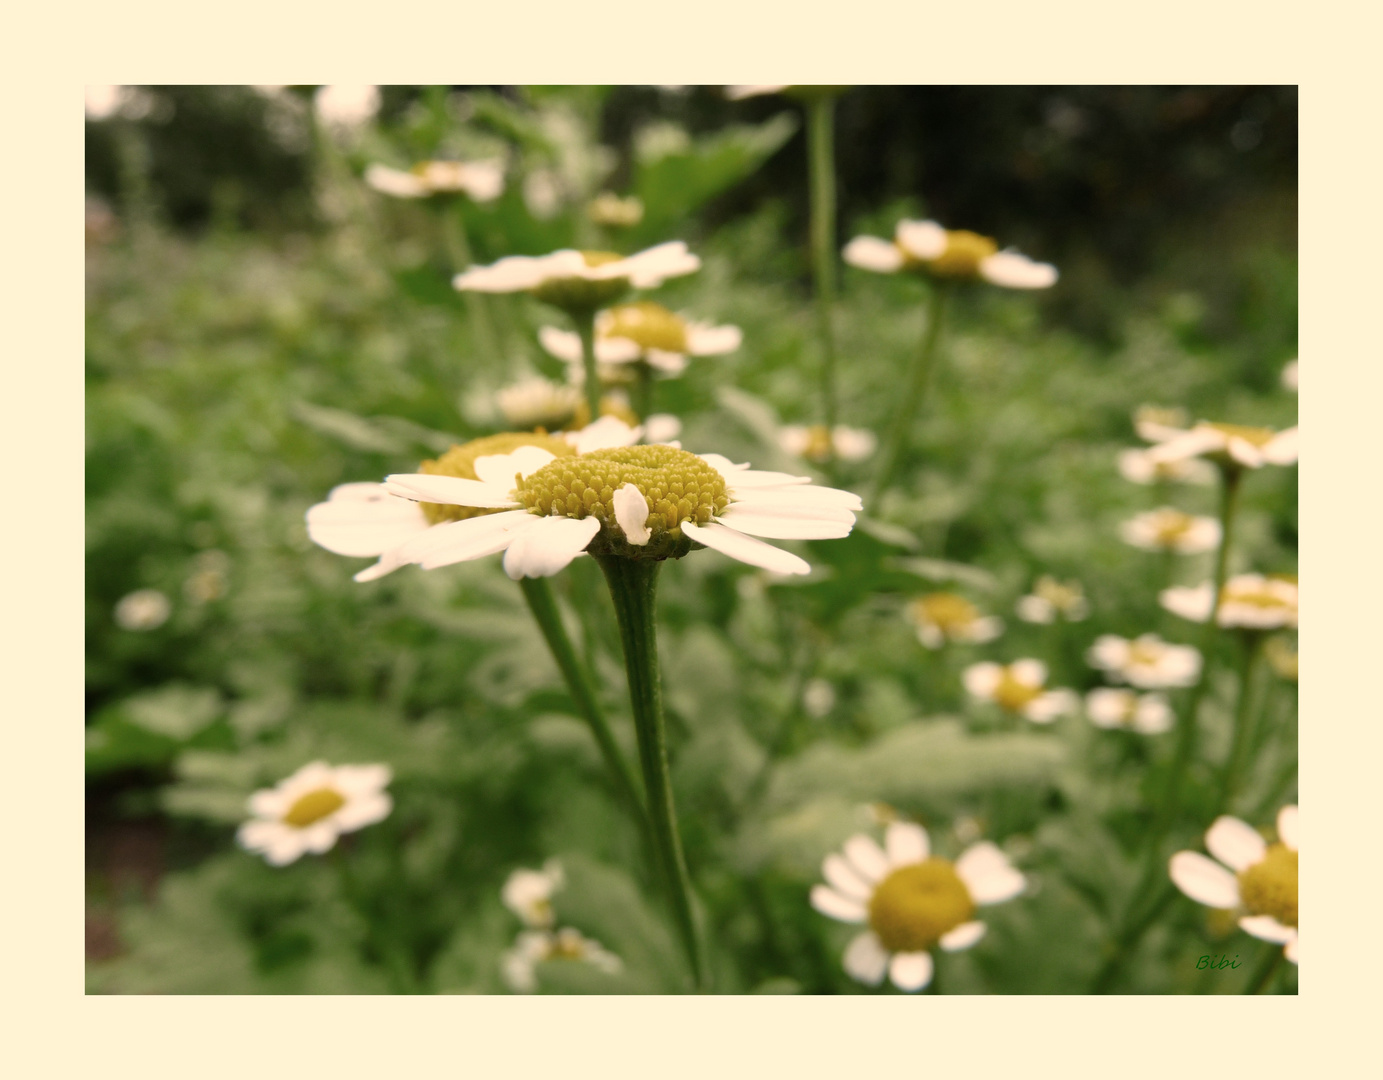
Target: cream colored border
(53, 1029)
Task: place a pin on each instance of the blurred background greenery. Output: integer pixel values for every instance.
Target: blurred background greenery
(261, 327)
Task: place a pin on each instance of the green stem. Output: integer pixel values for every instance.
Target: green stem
(643, 390)
(459, 251)
(543, 604)
(822, 179)
(585, 327)
(914, 392)
(1266, 970)
(1243, 721)
(633, 588)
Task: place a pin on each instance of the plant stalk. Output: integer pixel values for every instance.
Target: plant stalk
(1243, 721)
(822, 181)
(914, 392)
(585, 327)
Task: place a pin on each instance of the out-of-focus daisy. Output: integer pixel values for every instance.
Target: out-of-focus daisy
(1158, 423)
(818, 698)
(927, 248)
(481, 181)
(1252, 876)
(1170, 529)
(1283, 658)
(528, 894)
(613, 212)
(1146, 662)
(538, 402)
(346, 105)
(942, 617)
(580, 280)
(1019, 688)
(911, 901)
(308, 811)
(519, 966)
(661, 428)
(816, 444)
(1147, 714)
(637, 502)
(1230, 445)
(143, 609)
(804, 92)
(642, 331)
(1051, 599)
(1289, 376)
(1248, 601)
(1139, 466)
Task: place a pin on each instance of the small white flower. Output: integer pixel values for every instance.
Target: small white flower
(1146, 662)
(1051, 598)
(926, 247)
(1139, 466)
(1147, 714)
(1246, 447)
(941, 617)
(536, 401)
(481, 181)
(642, 331)
(610, 210)
(1250, 601)
(1170, 529)
(1251, 877)
(1289, 376)
(1019, 688)
(553, 277)
(143, 609)
(528, 894)
(309, 810)
(344, 105)
(818, 698)
(911, 900)
(815, 444)
(533, 947)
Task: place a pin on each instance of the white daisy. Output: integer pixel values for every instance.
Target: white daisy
(1146, 662)
(346, 105)
(1260, 880)
(481, 181)
(642, 331)
(642, 502)
(312, 808)
(1147, 714)
(1158, 423)
(1051, 598)
(610, 210)
(1250, 601)
(143, 609)
(1230, 445)
(926, 247)
(1138, 466)
(538, 402)
(1019, 688)
(816, 444)
(1289, 376)
(528, 894)
(1170, 529)
(941, 617)
(580, 280)
(533, 947)
(911, 900)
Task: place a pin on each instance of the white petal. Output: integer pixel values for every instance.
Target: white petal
(1290, 952)
(670, 364)
(258, 835)
(512, 274)
(791, 497)
(271, 803)
(648, 269)
(746, 549)
(451, 490)
(1028, 672)
(963, 936)
(1199, 440)
(607, 433)
(1045, 708)
(549, 546)
(746, 478)
(1153, 715)
(726, 467)
(1244, 452)
(395, 182)
(925, 240)
(867, 857)
(1235, 843)
(845, 880)
(1203, 880)
(871, 253)
(1266, 928)
(713, 340)
(499, 470)
(613, 350)
(1190, 602)
(1108, 708)
(563, 344)
(906, 843)
(866, 959)
(361, 779)
(320, 837)
(988, 875)
(462, 541)
(982, 679)
(1014, 271)
(661, 427)
(1287, 826)
(785, 526)
(1282, 448)
(829, 902)
(287, 847)
(910, 971)
(363, 811)
(631, 513)
(363, 519)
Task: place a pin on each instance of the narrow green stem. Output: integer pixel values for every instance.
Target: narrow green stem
(914, 391)
(1243, 722)
(1266, 970)
(459, 252)
(643, 390)
(585, 327)
(633, 588)
(822, 178)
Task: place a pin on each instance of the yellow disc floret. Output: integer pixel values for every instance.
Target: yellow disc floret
(459, 461)
(1269, 887)
(915, 905)
(1013, 695)
(313, 807)
(962, 257)
(649, 325)
(951, 614)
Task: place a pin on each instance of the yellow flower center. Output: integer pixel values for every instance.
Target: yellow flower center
(962, 257)
(567, 945)
(915, 905)
(459, 461)
(1171, 526)
(313, 807)
(1062, 597)
(599, 258)
(947, 611)
(1014, 695)
(1257, 436)
(649, 325)
(1143, 654)
(1250, 596)
(819, 446)
(1269, 887)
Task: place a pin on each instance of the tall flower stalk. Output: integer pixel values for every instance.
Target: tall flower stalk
(822, 177)
(915, 391)
(585, 329)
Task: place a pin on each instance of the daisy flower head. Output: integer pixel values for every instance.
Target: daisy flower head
(309, 810)
(942, 617)
(613, 212)
(1147, 662)
(1247, 601)
(519, 965)
(1019, 688)
(925, 247)
(636, 502)
(480, 181)
(1147, 714)
(143, 609)
(580, 281)
(1249, 876)
(1170, 529)
(1051, 599)
(910, 900)
(538, 402)
(1140, 467)
(1230, 446)
(528, 894)
(642, 332)
(819, 445)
